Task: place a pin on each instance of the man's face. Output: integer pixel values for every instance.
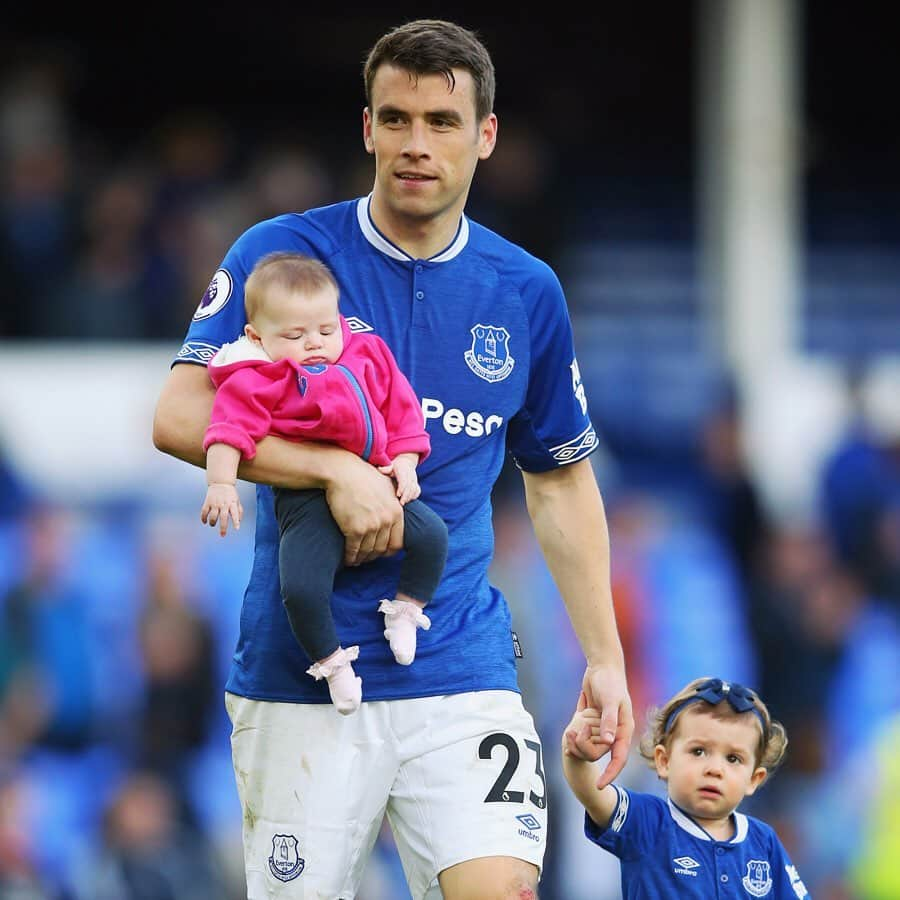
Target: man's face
(426, 141)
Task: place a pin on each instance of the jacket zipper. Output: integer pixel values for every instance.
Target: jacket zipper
(367, 416)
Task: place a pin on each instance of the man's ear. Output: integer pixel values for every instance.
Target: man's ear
(487, 136)
(367, 131)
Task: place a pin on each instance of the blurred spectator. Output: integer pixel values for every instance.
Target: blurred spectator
(726, 488)
(864, 693)
(515, 194)
(860, 488)
(38, 202)
(799, 613)
(106, 293)
(47, 695)
(15, 493)
(181, 678)
(19, 874)
(287, 179)
(146, 853)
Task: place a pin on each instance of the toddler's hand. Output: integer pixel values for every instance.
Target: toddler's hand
(403, 471)
(581, 737)
(221, 503)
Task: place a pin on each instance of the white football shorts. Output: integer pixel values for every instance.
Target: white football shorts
(460, 777)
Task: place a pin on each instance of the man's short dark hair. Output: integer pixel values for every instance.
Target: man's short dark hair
(435, 47)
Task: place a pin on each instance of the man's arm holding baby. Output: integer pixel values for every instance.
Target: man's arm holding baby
(362, 500)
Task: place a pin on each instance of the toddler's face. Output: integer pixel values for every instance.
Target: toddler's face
(302, 327)
(710, 765)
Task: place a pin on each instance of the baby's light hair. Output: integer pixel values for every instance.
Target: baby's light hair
(770, 749)
(293, 272)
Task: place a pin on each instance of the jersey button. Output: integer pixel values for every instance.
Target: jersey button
(420, 295)
(723, 879)
(719, 851)
(419, 268)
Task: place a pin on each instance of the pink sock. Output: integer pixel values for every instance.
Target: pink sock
(401, 619)
(344, 685)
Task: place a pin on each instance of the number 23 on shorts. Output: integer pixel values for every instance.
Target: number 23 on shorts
(502, 791)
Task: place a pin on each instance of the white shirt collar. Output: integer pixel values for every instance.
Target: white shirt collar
(380, 242)
(692, 828)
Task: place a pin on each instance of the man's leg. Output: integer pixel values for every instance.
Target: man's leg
(468, 806)
(490, 878)
(313, 786)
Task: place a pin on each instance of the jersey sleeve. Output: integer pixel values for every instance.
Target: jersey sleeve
(554, 427)
(788, 885)
(633, 828)
(220, 316)
(400, 408)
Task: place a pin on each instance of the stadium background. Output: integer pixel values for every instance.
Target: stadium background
(717, 186)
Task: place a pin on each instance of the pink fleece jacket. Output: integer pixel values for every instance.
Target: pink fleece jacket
(363, 402)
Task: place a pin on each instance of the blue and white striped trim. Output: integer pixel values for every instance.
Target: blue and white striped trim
(621, 814)
(380, 242)
(197, 351)
(576, 449)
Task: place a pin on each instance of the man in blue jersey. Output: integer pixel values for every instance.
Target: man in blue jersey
(444, 747)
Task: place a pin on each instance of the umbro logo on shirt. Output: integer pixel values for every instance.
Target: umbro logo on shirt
(356, 325)
(685, 865)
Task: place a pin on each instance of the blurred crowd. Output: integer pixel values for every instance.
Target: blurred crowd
(117, 621)
(103, 239)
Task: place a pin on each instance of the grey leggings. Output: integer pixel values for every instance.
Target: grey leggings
(311, 551)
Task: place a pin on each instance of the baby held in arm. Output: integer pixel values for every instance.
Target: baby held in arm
(300, 373)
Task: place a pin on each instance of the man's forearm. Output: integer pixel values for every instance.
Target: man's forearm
(569, 521)
(181, 419)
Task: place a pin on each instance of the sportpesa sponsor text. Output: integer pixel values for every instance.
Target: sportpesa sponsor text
(455, 421)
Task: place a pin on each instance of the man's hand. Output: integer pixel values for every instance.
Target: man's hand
(222, 502)
(365, 508)
(604, 690)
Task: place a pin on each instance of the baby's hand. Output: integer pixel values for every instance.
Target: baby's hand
(581, 737)
(403, 470)
(222, 502)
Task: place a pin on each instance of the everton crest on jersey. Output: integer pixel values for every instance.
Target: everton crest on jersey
(489, 357)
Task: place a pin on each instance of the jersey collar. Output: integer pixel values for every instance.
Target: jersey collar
(686, 823)
(380, 242)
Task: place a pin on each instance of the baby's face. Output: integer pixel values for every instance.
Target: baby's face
(710, 765)
(303, 327)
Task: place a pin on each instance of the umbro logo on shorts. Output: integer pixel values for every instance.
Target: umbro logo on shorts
(531, 826)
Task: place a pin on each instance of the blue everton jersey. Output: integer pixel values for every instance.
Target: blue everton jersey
(483, 334)
(665, 854)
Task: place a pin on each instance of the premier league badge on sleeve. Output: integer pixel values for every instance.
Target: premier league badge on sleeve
(285, 862)
(216, 295)
(489, 357)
